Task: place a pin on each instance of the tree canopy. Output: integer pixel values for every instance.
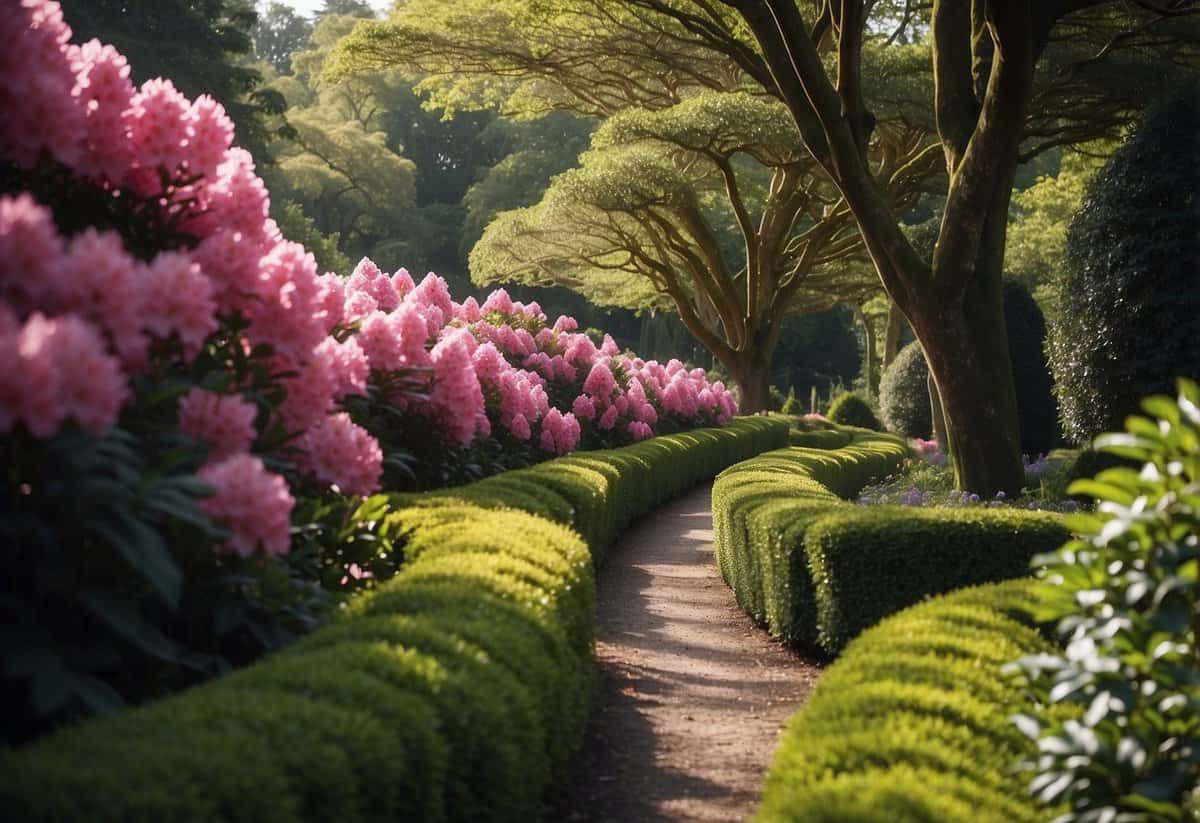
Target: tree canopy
(696, 195)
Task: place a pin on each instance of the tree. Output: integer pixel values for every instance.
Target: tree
(696, 195)
(278, 33)
(199, 44)
(1012, 79)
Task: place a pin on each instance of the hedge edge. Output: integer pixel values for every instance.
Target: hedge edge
(455, 691)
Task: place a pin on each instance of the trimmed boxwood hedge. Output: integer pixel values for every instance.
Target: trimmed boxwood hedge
(912, 723)
(454, 691)
(816, 571)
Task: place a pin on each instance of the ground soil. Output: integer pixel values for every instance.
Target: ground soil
(692, 694)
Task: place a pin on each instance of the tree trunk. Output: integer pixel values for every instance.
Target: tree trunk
(936, 415)
(870, 355)
(967, 350)
(752, 372)
(891, 339)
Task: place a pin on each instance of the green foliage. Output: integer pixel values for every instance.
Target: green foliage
(775, 398)
(851, 410)
(454, 691)
(791, 404)
(1038, 221)
(1133, 251)
(871, 561)
(298, 227)
(280, 32)
(911, 724)
(761, 509)
(817, 571)
(1117, 709)
(904, 394)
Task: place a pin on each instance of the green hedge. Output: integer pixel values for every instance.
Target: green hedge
(912, 724)
(816, 571)
(454, 691)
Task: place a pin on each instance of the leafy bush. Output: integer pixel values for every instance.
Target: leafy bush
(904, 389)
(1117, 710)
(453, 691)
(1133, 252)
(851, 410)
(869, 562)
(904, 394)
(817, 571)
(911, 724)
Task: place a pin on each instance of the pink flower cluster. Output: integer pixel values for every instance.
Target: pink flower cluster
(80, 317)
(496, 365)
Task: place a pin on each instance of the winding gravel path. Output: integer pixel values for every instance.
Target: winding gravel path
(692, 695)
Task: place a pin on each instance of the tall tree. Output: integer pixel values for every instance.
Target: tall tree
(280, 32)
(696, 195)
(199, 44)
(995, 101)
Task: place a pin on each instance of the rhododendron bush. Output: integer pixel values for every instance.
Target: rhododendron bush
(190, 414)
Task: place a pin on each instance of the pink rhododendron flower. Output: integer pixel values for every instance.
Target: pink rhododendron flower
(519, 426)
(337, 452)
(600, 382)
(560, 432)
(367, 278)
(251, 502)
(158, 126)
(105, 97)
(498, 301)
(38, 106)
(210, 136)
(638, 430)
(225, 422)
(288, 314)
(609, 418)
(31, 272)
(177, 299)
(59, 369)
(109, 286)
(584, 408)
(402, 282)
(456, 395)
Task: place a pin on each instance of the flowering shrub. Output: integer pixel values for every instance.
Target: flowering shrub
(500, 385)
(927, 481)
(1116, 714)
(189, 412)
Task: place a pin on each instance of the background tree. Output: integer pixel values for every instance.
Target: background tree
(1127, 323)
(1012, 79)
(200, 44)
(279, 32)
(695, 196)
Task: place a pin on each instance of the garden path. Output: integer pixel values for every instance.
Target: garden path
(692, 695)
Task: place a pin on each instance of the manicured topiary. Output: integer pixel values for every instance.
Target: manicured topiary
(904, 390)
(851, 410)
(912, 724)
(904, 394)
(1127, 326)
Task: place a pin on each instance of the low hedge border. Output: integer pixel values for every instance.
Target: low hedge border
(816, 571)
(455, 691)
(912, 723)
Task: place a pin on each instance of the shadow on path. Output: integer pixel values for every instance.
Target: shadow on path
(692, 695)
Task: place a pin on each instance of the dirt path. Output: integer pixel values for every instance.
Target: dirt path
(692, 695)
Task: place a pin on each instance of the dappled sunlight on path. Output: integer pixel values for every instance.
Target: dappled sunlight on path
(692, 695)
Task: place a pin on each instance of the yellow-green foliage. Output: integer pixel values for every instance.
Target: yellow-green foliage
(452, 692)
(912, 725)
(816, 570)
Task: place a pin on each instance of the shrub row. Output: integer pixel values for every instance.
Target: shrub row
(912, 723)
(452, 692)
(816, 571)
